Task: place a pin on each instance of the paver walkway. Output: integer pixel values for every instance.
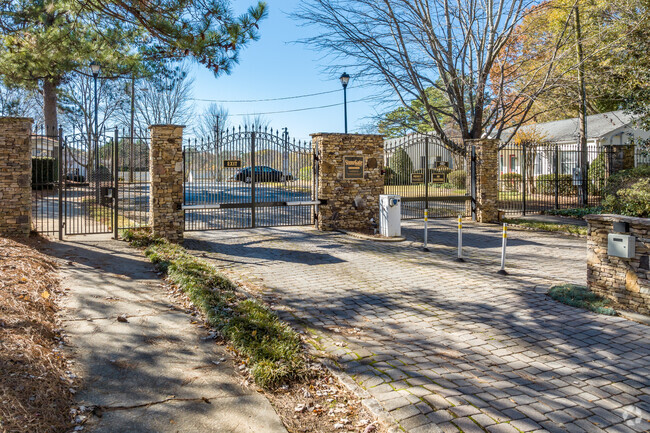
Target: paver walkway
(156, 372)
(452, 346)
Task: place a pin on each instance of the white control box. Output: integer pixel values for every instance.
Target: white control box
(390, 215)
(621, 245)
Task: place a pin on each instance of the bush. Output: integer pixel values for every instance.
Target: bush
(457, 178)
(581, 297)
(597, 175)
(580, 212)
(546, 184)
(44, 171)
(511, 181)
(627, 192)
(305, 173)
(401, 165)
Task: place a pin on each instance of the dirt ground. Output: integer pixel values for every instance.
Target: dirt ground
(36, 386)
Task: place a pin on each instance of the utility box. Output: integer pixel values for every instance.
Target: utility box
(619, 245)
(390, 215)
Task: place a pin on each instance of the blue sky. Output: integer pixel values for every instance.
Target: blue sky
(276, 66)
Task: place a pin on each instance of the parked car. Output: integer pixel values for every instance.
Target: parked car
(262, 174)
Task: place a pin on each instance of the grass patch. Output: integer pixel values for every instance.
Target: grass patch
(579, 213)
(272, 350)
(581, 297)
(549, 227)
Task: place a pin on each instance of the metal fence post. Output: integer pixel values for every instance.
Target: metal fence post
(557, 178)
(253, 178)
(523, 177)
(473, 181)
(61, 180)
(116, 183)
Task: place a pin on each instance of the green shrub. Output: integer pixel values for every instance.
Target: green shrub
(457, 178)
(576, 212)
(511, 181)
(305, 173)
(597, 175)
(546, 184)
(401, 165)
(627, 192)
(581, 297)
(44, 171)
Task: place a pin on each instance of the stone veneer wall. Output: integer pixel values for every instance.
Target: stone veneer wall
(619, 157)
(351, 203)
(166, 170)
(487, 174)
(626, 281)
(15, 176)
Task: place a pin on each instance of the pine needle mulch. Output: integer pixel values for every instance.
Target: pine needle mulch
(35, 388)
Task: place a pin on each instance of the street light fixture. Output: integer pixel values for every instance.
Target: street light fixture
(345, 79)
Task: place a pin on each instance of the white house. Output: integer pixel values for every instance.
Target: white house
(612, 128)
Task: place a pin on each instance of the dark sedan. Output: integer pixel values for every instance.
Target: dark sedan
(262, 174)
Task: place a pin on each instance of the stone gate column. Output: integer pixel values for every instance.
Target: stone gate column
(15, 176)
(166, 171)
(619, 157)
(350, 180)
(487, 175)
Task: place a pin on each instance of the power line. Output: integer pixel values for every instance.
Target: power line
(265, 100)
(295, 110)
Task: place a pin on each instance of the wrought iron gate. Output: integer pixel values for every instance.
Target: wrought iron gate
(87, 184)
(428, 174)
(248, 177)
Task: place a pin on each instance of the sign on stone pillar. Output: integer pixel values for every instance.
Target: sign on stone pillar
(487, 175)
(15, 176)
(166, 170)
(350, 180)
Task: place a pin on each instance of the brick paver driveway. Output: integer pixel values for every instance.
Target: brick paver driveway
(452, 346)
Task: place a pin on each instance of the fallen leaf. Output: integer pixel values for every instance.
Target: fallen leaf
(122, 318)
(45, 295)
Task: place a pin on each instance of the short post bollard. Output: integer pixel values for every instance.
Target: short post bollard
(460, 239)
(502, 271)
(426, 229)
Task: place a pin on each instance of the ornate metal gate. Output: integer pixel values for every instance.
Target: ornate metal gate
(428, 174)
(248, 177)
(87, 184)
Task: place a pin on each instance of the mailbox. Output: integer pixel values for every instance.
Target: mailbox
(619, 245)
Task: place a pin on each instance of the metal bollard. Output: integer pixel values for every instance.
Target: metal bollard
(460, 239)
(426, 229)
(502, 271)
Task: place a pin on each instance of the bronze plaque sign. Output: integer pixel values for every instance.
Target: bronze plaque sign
(417, 177)
(353, 167)
(232, 163)
(437, 178)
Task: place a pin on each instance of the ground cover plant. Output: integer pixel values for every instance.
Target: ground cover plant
(581, 297)
(578, 213)
(549, 227)
(35, 385)
(272, 350)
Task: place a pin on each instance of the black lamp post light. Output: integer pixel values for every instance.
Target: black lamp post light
(345, 79)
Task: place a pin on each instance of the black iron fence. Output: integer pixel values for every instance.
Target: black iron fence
(428, 174)
(533, 179)
(47, 175)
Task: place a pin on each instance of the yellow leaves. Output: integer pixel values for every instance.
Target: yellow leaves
(254, 333)
(529, 135)
(45, 295)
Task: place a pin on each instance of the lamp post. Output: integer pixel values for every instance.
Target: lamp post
(345, 79)
(95, 68)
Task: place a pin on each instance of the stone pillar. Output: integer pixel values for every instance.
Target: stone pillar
(166, 170)
(619, 157)
(351, 196)
(15, 176)
(624, 281)
(487, 175)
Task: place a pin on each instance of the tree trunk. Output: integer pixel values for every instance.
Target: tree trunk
(583, 107)
(49, 106)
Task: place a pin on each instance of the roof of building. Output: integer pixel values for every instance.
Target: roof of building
(598, 125)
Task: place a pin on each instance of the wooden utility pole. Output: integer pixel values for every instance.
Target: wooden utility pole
(582, 116)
